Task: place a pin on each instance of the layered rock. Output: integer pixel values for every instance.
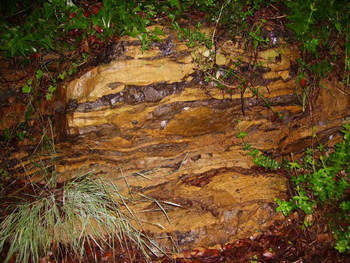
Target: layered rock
(150, 122)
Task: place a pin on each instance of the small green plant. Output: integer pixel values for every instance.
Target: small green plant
(193, 37)
(259, 159)
(326, 185)
(320, 26)
(256, 35)
(27, 88)
(3, 173)
(30, 86)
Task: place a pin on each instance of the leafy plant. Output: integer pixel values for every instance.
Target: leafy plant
(320, 26)
(256, 35)
(54, 20)
(193, 37)
(258, 158)
(326, 185)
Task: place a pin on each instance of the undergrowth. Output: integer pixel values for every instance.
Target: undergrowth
(321, 182)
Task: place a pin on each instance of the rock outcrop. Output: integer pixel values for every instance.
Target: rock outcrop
(150, 119)
(151, 122)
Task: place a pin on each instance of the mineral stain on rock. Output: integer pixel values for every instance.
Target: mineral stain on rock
(131, 94)
(113, 51)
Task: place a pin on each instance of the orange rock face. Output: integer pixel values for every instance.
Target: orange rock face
(149, 120)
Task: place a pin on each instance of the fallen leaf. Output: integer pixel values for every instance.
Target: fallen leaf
(268, 254)
(87, 13)
(98, 29)
(303, 82)
(96, 9)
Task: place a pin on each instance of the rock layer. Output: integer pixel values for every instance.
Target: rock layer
(150, 122)
(149, 119)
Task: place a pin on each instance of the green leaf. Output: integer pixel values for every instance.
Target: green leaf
(49, 96)
(39, 74)
(254, 152)
(21, 48)
(345, 205)
(48, 43)
(21, 135)
(62, 75)
(106, 21)
(158, 31)
(294, 165)
(70, 3)
(255, 43)
(78, 24)
(52, 89)
(175, 3)
(137, 9)
(6, 133)
(172, 18)
(26, 89)
(157, 39)
(48, 8)
(241, 135)
(13, 47)
(144, 41)
(247, 147)
(285, 207)
(307, 207)
(28, 112)
(135, 32)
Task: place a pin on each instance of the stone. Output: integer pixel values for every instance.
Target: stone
(175, 140)
(151, 125)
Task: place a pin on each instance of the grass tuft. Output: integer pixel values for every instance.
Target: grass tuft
(84, 212)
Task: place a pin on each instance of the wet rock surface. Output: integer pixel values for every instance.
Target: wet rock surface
(154, 126)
